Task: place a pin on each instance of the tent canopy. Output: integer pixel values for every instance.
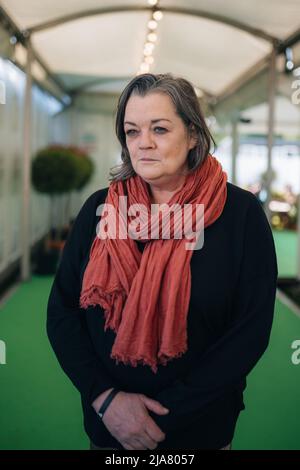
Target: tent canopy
(98, 46)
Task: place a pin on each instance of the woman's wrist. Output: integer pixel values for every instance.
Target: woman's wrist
(100, 400)
(106, 403)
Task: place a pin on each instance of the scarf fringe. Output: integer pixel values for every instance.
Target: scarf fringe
(134, 361)
(95, 295)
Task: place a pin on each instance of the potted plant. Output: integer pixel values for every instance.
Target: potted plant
(57, 170)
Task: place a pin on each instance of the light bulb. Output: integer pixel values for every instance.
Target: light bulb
(147, 52)
(152, 37)
(152, 24)
(157, 15)
(149, 59)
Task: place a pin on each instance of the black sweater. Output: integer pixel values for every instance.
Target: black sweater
(229, 322)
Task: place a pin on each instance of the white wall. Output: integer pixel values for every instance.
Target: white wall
(11, 148)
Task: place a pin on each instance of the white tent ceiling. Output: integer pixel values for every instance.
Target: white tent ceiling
(287, 119)
(210, 42)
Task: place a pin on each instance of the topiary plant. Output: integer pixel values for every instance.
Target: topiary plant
(54, 171)
(59, 170)
(85, 166)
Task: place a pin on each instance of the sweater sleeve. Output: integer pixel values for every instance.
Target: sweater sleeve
(226, 363)
(65, 320)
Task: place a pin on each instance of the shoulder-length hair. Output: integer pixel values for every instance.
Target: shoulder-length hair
(187, 106)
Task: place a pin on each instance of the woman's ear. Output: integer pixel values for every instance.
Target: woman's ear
(193, 137)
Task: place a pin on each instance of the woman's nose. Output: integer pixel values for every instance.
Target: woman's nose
(146, 140)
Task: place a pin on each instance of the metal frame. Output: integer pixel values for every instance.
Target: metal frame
(183, 11)
(23, 37)
(271, 122)
(25, 259)
(234, 146)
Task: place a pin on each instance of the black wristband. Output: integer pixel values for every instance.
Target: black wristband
(107, 402)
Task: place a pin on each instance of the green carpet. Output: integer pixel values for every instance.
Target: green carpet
(272, 399)
(40, 409)
(286, 249)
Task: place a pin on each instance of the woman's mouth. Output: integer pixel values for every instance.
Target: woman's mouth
(148, 160)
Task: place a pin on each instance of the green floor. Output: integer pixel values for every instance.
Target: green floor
(286, 249)
(40, 409)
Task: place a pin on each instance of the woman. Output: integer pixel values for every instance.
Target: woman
(158, 337)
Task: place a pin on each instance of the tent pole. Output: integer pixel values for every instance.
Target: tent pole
(25, 216)
(298, 239)
(234, 147)
(271, 120)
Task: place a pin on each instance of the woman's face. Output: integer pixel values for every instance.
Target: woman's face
(156, 138)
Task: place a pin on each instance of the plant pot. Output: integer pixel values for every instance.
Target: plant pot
(48, 256)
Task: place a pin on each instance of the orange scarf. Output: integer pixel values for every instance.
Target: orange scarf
(145, 296)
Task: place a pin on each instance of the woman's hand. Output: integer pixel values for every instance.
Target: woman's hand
(127, 419)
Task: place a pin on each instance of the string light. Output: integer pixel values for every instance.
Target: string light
(289, 62)
(147, 52)
(149, 46)
(157, 15)
(152, 24)
(148, 59)
(152, 37)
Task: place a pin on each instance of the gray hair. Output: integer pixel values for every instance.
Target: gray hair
(187, 106)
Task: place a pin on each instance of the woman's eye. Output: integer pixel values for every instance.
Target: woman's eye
(157, 130)
(130, 132)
